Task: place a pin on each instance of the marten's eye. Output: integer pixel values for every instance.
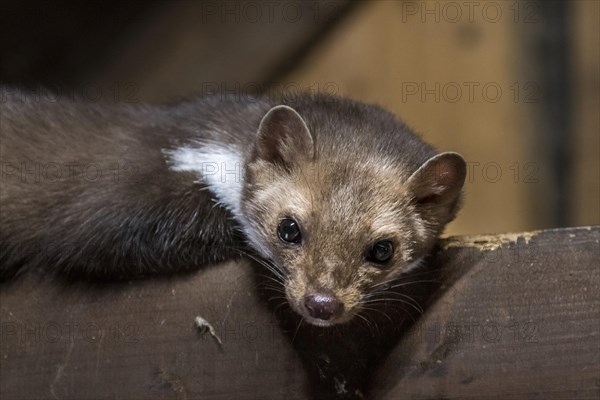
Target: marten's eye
(381, 252)
(289, 231)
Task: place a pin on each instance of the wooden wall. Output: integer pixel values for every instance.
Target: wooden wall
(586, 119)
(468, 83)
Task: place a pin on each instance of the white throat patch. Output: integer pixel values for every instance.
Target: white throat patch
(221, 170)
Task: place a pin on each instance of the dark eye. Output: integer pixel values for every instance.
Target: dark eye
(289, 231)
(381, 252)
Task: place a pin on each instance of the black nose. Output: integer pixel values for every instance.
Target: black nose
(322, 306)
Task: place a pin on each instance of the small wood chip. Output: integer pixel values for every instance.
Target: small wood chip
(204, 326)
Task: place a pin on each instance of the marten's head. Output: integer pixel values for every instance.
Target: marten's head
(339, 209)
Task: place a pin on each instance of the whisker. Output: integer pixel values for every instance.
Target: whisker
(380, 301)
(297, 329)
(412, 282)
(383, 296)
(398, 278)
(270, 266)
(379, 311)
(367, 323)
(276, 298)
(280, 305)
(388, 288)
(271, 278)
(276, 289)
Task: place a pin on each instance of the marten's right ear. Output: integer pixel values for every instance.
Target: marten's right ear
(283, 138)
(437, 186)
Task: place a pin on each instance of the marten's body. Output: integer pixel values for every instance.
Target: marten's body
(337, 196)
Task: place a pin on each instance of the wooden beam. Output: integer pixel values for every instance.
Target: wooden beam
(507, 316)
(518, 317)
(140, 340)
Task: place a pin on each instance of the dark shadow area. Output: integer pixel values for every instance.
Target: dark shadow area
(57, 43)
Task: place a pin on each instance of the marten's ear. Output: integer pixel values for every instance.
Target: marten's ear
(437, 185)
(283, 138)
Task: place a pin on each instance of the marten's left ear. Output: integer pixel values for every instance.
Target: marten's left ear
(437, 185)
(283, 138)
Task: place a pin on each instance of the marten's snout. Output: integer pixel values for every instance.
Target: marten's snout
(321, 306)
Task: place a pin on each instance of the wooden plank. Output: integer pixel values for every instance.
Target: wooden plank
(139, 341)
(509, 316)
(518, 317)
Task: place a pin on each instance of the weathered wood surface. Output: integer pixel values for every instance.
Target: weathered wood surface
(519, 318)
(139, 341)
(507, 317)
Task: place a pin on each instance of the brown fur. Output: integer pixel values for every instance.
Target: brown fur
(344, 203)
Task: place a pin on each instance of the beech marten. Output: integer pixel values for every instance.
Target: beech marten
(335, 196)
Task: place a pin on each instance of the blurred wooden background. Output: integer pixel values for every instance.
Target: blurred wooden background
(512, 85)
